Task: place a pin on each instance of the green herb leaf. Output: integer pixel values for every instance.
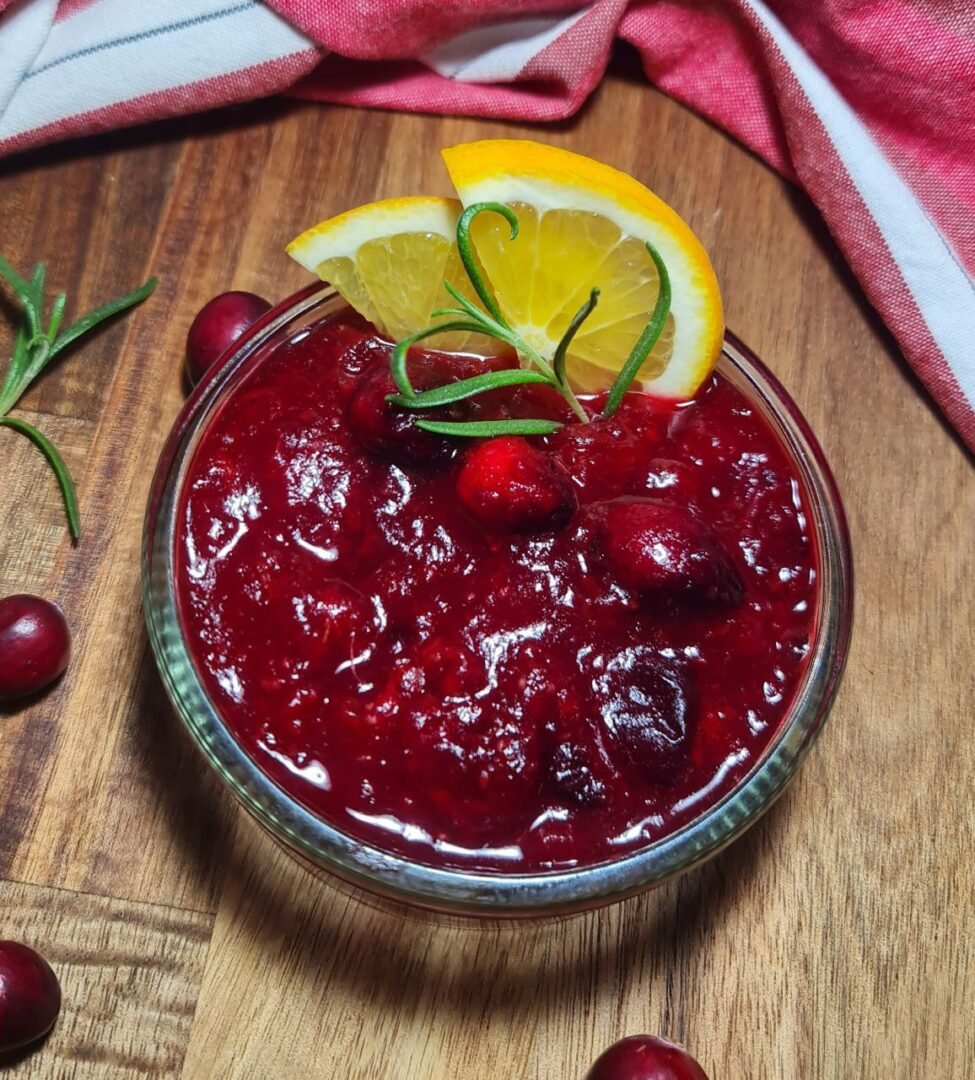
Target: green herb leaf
(14, 384)
(465, 388)
(35, 347)
(397, 363)
(468, 258)
(466, 306)
(57, 314)
(558, 362)
(502, 332)
(99, 315)
(646, 341)
(483, 429)
(18, 286)
(68, 490)
(33, 301)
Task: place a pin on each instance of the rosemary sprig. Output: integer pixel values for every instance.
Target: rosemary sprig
(35, 347)
(646, 341)
(465, 388)
(467, 316)
(68, 490)
(483, 429)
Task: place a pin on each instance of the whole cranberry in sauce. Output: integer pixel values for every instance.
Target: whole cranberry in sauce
(656, 547)
(645, 1057)
(508, 484)
(386, 429)
(35, 644)
(30, 996)
(218, 324)
(648, 708)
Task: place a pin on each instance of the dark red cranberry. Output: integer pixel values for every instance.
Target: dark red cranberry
(645, 1057)
(654, 547)
(599, 456)
(577, 773)
(30, 997)
(647, 707)
(509, 484)
(387, 429)
(35, 644)
(218, 324)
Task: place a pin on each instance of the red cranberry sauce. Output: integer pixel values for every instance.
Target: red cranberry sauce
(481, 697)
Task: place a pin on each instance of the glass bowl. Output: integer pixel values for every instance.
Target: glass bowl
(325, 847)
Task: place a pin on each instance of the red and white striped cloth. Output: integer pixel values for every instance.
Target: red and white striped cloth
(868, 104)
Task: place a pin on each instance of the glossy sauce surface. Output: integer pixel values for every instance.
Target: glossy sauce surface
(458, 694)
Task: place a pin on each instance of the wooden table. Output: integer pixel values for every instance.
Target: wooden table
(836, 940)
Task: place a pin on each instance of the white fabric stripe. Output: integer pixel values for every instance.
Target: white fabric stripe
(208, 39)
(942, 289)
(24, 28)
(497, 53)
(112, 20)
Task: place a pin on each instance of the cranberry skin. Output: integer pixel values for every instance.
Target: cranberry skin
(30, 996)
(509, 484)
(645, 1057)
(654, 547)
(577, 774)
(389, 430)
(649, 710)
(35, 645)
(218, 324)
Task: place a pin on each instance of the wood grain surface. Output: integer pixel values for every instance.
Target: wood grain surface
(836, 941)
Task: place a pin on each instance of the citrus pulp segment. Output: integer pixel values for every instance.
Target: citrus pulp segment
(389, 260)
(584, 224)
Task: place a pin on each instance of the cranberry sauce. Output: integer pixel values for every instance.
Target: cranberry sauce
(512, 655)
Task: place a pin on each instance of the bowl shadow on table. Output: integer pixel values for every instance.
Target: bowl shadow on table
(387, 957)
(186, 794)
(394, 964)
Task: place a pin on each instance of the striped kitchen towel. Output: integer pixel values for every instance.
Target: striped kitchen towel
(869, 106)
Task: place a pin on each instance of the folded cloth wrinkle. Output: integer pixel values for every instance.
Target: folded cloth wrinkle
(870, 107)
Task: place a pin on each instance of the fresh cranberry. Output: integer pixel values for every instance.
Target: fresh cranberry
(35, 644)
(654, 547)
(218, 324)
(510, 484)
(30, 997)
(647, 706)
(387, 429)
(645, 1057)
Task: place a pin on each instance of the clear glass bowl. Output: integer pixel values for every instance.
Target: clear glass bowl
(500, 896)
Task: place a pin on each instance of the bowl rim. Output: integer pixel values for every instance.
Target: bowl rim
(497, 894)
